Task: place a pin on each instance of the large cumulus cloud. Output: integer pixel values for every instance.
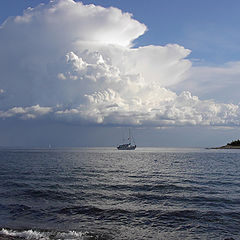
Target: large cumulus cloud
(73, 62)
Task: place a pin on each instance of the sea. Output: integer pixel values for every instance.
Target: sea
(104, 193)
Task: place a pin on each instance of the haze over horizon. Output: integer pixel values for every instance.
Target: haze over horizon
(79, 73)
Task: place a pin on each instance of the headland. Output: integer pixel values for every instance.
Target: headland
(231, 145)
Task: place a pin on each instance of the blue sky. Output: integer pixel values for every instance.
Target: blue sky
(74, 72)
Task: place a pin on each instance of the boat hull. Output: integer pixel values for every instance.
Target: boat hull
(128, 147)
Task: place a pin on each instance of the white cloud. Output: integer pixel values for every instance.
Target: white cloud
(26, 113)
(76, 62)
(221, 82)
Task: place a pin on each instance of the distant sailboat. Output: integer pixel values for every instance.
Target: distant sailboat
(129, 145)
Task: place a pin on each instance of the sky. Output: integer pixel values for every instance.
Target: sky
(81, 73)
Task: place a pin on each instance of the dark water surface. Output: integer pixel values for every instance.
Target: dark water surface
(110, 194)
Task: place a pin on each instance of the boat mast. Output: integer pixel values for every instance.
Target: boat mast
(129, 138)
(123, 139)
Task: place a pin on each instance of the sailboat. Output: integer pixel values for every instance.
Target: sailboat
(129, 145)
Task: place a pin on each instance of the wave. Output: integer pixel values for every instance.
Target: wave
(94, 211)
(29, 234)
(10, 234)
(147, 187)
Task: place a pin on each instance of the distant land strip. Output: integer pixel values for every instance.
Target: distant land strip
(232, 145)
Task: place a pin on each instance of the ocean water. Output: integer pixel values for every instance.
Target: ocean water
(104, 193)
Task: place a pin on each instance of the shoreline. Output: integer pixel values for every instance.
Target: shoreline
(225, 147)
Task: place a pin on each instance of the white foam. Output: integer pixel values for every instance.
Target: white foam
(35, 235)
(30, 234)
(71, 235)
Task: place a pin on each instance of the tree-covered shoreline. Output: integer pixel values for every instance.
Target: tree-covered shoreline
(234, 143)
